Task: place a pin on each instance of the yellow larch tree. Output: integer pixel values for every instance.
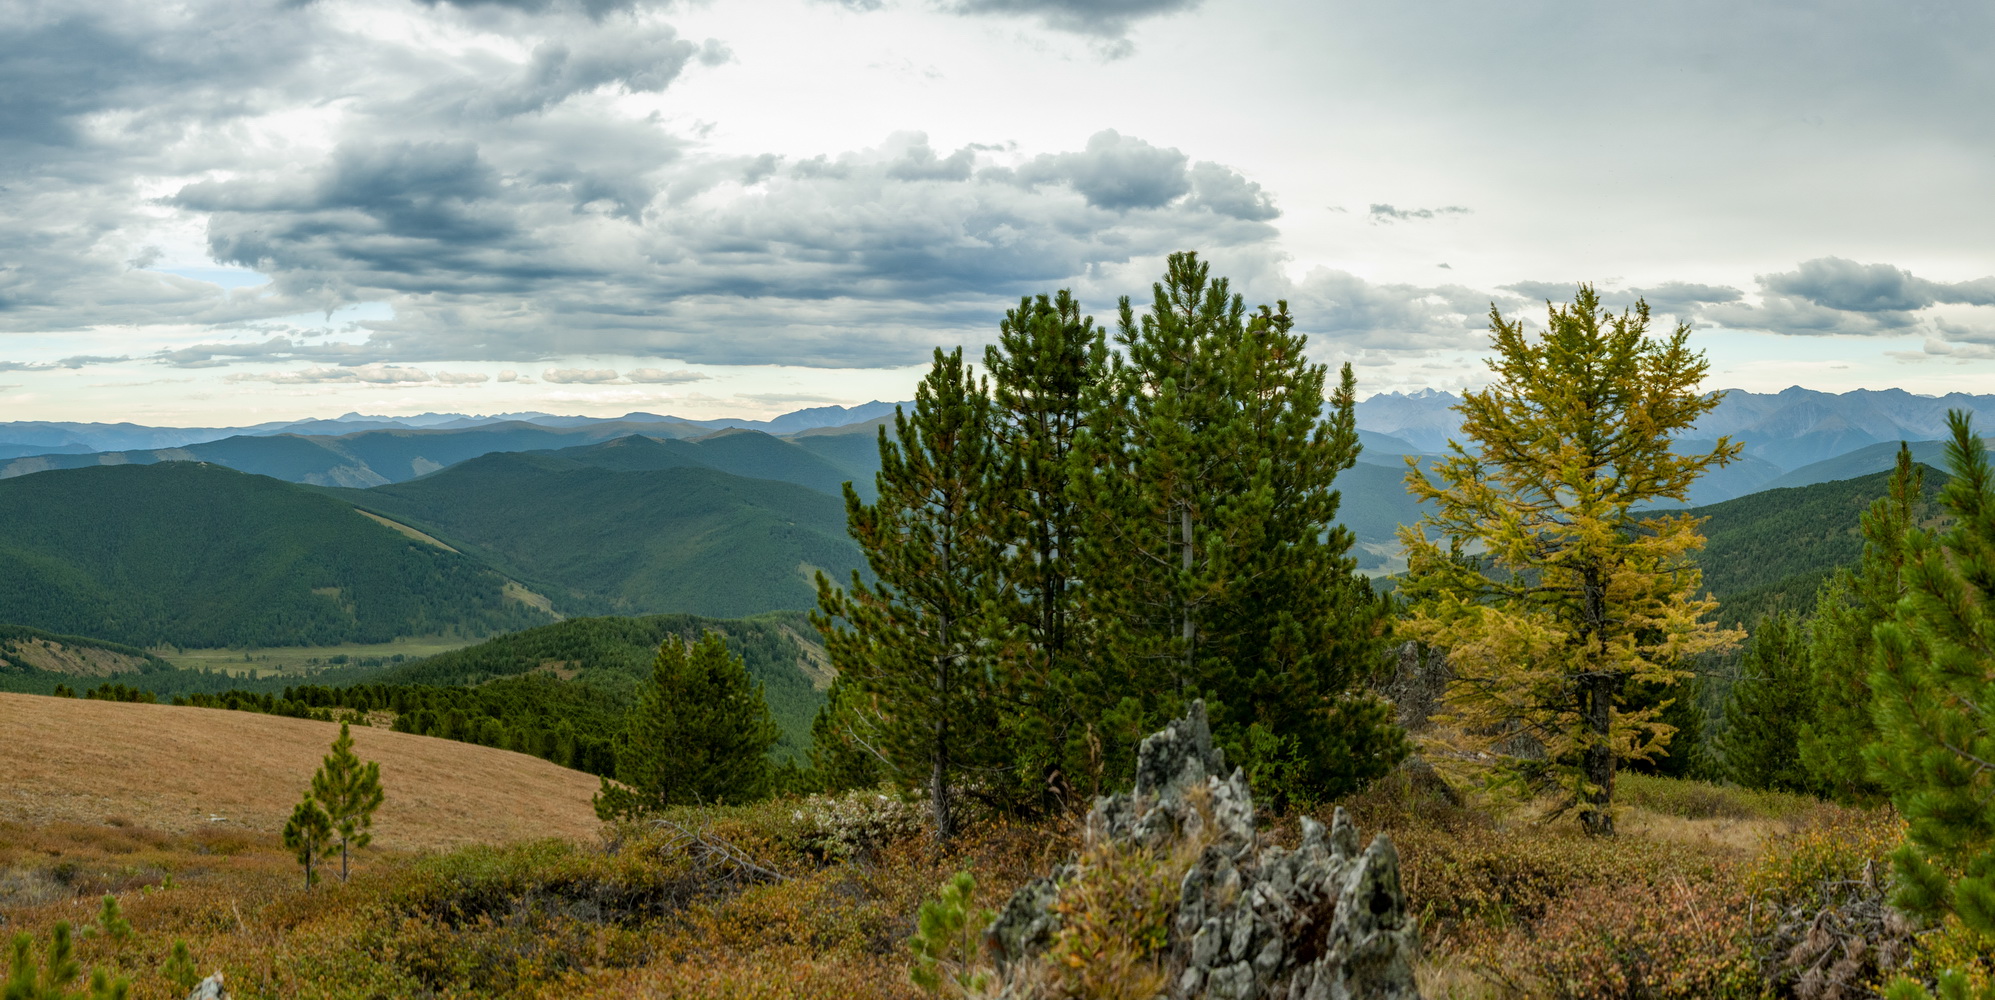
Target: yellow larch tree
(1539, 568)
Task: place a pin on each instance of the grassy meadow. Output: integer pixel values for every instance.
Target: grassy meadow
(301, 661)
(1709, 892)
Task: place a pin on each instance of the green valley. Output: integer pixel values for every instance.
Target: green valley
(189, 554)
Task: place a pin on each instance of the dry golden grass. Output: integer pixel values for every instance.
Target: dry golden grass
(170, 769)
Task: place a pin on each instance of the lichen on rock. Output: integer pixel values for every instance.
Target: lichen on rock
(1250, 921)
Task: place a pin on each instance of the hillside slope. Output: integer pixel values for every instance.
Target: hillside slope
(1774, 548)
(31, 653)
(689, 539)
(168, 768)
(188, 554)
(782, 651)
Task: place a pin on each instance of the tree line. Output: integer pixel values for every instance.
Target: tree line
(1096, 530)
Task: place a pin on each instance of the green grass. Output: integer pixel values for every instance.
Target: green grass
(1707, 800)
(270, 661)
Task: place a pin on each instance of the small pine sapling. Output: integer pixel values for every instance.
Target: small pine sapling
(308, 834)
(111, 922)
(179, 969)
(48, 980)
(349, 789)
(947, 939)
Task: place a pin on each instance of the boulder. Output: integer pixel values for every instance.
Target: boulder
(1326, 921)
(210, 988)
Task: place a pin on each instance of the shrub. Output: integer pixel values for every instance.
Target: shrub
(948, 940)
(1115, 920)
(1655, 942)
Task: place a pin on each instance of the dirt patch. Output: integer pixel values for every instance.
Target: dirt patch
(77, 661)
(182, 769)
(405, 530)
(566, 670)
(814, 662)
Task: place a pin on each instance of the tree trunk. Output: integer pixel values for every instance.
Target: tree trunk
(938, 792)
(1187, 631)
(1595, 815)
(342, 859)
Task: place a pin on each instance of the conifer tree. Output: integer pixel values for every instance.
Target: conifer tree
(918, 642)
(308, 834)
(1933, 682)
(699, 734)
(349, 790)
(1848, 609)
(1548, 590)
(1047, 359)
(1768, 706)
(843, 735)
(1212, 563)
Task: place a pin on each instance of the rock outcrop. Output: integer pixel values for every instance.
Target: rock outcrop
(1325, 921)
(210, 988)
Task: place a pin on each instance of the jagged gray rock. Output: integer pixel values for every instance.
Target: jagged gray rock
(210, 988)
(1254, 922)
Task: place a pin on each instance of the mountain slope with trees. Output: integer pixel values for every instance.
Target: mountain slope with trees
(688, 539)
(197, 555)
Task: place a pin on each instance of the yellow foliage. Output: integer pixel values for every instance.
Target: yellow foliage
(1549, 591)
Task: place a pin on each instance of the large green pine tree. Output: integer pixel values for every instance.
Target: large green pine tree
(918, 645)
(1047, 359)
(1212, 563)
(699, 734)
(1768, 705)
(349, 790)
(1848, 610)
(1933, 680)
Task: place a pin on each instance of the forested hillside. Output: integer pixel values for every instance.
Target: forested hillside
(1774, 548)
(595, 540)
(188, 554)
(783, 653)
(559, 691)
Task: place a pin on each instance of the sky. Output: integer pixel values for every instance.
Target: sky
(220, 212)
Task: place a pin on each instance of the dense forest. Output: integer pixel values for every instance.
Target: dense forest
(186, 554)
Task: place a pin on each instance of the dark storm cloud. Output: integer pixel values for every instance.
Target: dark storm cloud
(1104, 18)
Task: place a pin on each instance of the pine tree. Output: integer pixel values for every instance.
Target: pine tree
(1848, 610)
(1769, 704)
(1551, 594)
(308, 834)
(842, 736)
(918, 644)
(1933, 681)
(699, 734)
(349, 790)
(1047, 359)
(1212, 563)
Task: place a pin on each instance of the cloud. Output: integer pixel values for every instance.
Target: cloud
(1102, 18)
(1386, 214)
(509, 376)
(590, 376)
(1339, 309)
(1115, 172)
(462, 378)
(371, 374)
(657, 376)
(1834, 296)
